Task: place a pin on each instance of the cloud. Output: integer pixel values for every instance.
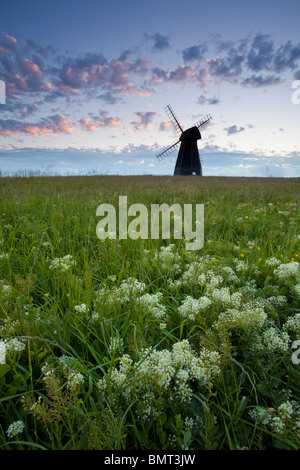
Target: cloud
(226, 67)
(261, 54)
(51, 125)
(144, 120)
(29, 67)
(8, 43)
(179, 74)
(194, 53)
(109, 98)
(212, 101)
(165, 125)
(96, 122)
(96, 161)
(94, 70)
(160, 41)
(33, 68)
(233, 129)
(260, 81)
(287, 57)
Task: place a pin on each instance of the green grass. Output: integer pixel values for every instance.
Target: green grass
(120, 350)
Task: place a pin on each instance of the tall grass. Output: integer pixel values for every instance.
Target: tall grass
(140, 344)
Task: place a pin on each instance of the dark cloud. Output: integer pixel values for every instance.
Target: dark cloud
(203, 100)
(227, 68)
(234, 129)
(297, 75)
(194, 53)
(287, 57)
(261, 81)
(261, 54)
(108, 98)
(160, 42)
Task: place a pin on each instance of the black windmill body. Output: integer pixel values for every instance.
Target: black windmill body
(188, 159)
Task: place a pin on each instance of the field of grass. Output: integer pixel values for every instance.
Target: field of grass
(142, 344)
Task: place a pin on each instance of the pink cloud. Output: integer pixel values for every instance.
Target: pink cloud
(182, 73)
(96, 122)
(165, 125)
(3, 50)
(52, 125)
(29, 67)
(144, 120)
(9, 38)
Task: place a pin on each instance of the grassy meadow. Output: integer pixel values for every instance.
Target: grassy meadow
(142, 344)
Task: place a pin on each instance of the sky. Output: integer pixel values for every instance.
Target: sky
(84, 84)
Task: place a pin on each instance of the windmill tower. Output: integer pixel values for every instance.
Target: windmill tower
(188, 159)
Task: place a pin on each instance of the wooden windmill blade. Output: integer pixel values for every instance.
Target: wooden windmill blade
(171, 115)
(168, 151)
(204, 120)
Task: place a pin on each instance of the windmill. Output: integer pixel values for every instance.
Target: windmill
(188, 160)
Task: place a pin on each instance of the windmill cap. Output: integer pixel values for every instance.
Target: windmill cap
(193, 133)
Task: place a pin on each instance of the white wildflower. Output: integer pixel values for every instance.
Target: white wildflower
(62, 264)
(212, 280)
(287, 271)
(167, 259)
(127, 290)
(115, 344)
(190, 308)
(81, 308)
(241, 266)
(2, 352)
(297, 289)
(74, 379)
(250, 317)
(163, 375)
(224, 297)
(151, 304)
(14, 345)
(274, 340)
(273, 262)
(15, 428)
(5, 289)
(278, 300)
(293, 324)
(283, 420)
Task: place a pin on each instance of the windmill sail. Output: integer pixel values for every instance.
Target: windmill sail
(171, 115)
(168, 151)
(204, 120)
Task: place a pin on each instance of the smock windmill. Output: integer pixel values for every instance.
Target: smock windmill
(188, 159)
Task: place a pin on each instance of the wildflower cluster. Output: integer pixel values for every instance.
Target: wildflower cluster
(15, 428)
(5, 290)
(14, 345)
(65, 369)
(152, 305)
(127, 291)
(62, 264)
(288, 272)
(283, 421)
(159, 377)
(167, 259)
